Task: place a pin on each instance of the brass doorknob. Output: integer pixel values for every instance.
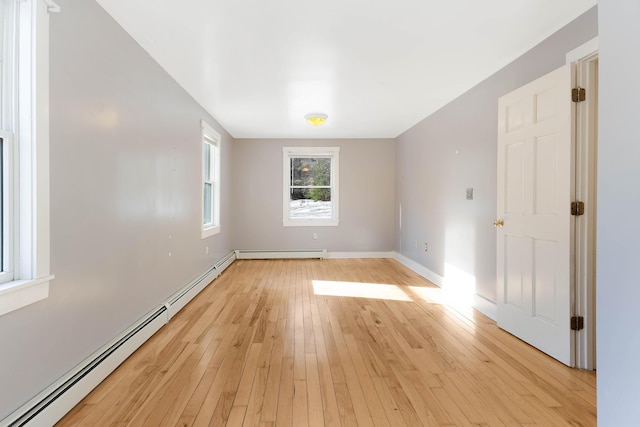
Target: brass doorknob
(498, 222)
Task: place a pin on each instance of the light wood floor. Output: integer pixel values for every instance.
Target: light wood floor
(270, 343)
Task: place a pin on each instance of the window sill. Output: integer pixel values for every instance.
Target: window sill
(20, 293)
(311, 223)
(207, 232)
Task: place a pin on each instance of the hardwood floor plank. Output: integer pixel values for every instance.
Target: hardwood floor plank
(236, 416)
(274, 360)
(315, 413)
(371, 344)
(254, 407)
(358, 400)
(248, 375)
(300, 416)
(330, 413)
(376, 409)
(281, 408)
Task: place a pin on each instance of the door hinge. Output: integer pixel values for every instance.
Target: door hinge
(577, 208)
(577, 323)
(578, 94)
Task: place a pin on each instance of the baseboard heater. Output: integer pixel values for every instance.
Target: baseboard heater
(281, 254)
(186, 294)
(54, 402)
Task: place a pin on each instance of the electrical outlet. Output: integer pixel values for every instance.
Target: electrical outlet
(426, 248)
(469, 193)
(315, 236)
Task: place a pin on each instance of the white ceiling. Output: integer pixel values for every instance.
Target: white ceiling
(375, 67)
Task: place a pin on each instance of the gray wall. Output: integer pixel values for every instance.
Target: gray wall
(618, 292)
(456, 148)
(366, 197)
(125, 175)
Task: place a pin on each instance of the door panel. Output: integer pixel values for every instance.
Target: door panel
(518, 250)
(535, 181)
(545, 283)
(515, 178)
(546, 175)
(546, 104)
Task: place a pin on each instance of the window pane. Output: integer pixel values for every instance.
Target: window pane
(2, 205)
(310, 171)
(207, 161)
(212, 163)
(310, 203)
(208, 214)
(307, 207)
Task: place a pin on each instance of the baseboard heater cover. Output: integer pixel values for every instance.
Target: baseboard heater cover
(226, 261)
(281, 254)
(54, 402)
(187, 293)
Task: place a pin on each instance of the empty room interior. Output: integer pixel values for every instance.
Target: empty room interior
(338, 213)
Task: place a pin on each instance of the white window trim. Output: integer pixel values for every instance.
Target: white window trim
(209, 135)
(8, 246)
(32, 245)
(288, 153)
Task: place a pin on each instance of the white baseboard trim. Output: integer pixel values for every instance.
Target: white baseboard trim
(486, 307)
(281, 254)
(307, 253)
(434, 278)
(346, 255)
(49, 406)
(483, 305)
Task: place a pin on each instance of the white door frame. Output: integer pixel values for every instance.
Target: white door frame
(586, 59)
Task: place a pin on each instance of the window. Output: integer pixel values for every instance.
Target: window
(7, 36)
(310, 186)
(24, 153)
(6, 199)
(210, 181)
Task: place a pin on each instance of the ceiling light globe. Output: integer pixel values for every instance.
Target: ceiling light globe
(316, 119)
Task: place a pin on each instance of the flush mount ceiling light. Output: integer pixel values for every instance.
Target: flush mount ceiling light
(316, 119)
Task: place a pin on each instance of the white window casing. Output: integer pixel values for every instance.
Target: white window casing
(211, 148)
(331, 211)
(29, 161)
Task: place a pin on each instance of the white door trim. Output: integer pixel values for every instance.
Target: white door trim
(586, 58)
(583, 51)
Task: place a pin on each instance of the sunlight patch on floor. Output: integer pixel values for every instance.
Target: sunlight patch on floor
(456, 295)
(451, 301)
(359, 290)
(458, 290)
(431, 295)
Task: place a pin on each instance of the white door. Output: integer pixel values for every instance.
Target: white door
(535, 181)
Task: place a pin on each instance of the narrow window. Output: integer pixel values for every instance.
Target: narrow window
(24, 153)
(5, 243)
(6, 209)
(210, 181)
(7, 126)
(310, 179)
